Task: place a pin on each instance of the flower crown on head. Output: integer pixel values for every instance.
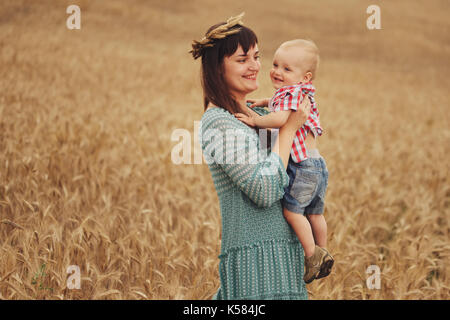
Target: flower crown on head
(220, 32)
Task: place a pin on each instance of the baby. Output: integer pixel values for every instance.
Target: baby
(294, 67)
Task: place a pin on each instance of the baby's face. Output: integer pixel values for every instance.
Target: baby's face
(286, 68)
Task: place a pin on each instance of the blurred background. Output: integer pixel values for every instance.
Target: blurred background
(86, 119)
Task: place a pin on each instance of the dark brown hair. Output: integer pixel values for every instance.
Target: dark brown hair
(215, 89)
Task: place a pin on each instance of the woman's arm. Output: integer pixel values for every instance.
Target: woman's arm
(234, 155)
(261, 176)
(295, 121)
(283, 143)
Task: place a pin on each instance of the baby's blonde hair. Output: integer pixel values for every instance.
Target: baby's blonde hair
(311, 62)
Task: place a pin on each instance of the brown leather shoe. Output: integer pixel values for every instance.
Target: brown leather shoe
(325, 268)
(314, 263)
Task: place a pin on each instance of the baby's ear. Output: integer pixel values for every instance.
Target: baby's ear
(308, 76)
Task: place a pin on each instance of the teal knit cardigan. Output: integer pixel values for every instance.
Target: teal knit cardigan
(261, 257)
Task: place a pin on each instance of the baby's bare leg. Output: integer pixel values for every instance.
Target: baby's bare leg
(319, 229)
(302, 229)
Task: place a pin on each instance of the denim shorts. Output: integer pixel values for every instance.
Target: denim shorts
(308, 181)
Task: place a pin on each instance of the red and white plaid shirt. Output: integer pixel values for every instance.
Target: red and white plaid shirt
(290, 98)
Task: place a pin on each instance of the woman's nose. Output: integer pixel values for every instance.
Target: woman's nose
(255, 65)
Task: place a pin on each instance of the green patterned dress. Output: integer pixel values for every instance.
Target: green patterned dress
(261, 257)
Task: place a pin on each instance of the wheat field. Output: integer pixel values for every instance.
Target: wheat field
(86, 123)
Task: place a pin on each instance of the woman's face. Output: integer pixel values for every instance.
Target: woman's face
(241, 71)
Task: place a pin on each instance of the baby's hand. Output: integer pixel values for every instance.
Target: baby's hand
(259, 102)
(250, 121)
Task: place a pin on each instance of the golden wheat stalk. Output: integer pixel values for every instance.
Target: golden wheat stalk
(13, 224)
(218, 33)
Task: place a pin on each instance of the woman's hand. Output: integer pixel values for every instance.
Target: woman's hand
(259, 102)
(298, 118)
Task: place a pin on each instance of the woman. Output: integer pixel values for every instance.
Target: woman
(261, 257)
